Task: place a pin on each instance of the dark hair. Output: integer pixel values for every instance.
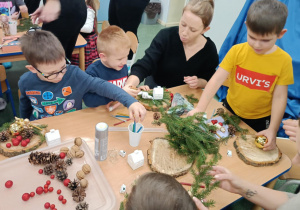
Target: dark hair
(267, 16)
(154, 191)
(41, 47)
(203, 9)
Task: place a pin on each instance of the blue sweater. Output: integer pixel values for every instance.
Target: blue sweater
(40, 99)
(118, 78)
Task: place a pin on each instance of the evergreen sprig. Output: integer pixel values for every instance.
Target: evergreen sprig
(192, 137)
(166, 99)
(192, 99)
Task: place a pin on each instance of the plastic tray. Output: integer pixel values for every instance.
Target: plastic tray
(26, 179)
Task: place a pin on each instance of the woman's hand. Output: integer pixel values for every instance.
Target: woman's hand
(193, 81)
(47, 13)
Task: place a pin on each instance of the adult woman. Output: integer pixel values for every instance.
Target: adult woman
(179, 55)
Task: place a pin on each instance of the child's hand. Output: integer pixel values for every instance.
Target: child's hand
(144, 87)
(271, 144)
(15, 15)
(112, 105)
(199, 204)
(290, 128)
(194, 111)
(137, 112)
(193, 81)
(131, 91)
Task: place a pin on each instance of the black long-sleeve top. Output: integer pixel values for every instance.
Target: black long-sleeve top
(165, 60)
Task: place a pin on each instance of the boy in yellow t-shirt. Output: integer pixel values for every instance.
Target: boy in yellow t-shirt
(259, 72)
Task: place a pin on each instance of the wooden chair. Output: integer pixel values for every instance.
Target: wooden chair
(5, 88)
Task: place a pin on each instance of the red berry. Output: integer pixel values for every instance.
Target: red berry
(48, 182)
(54, 209)
(172, 96)
(9, 184)
(62, 155)
(8, 145)
(27, 140)
(25, 197)
(15, 142)
(16, 134)
(64, 201)
(60, 197)
(47, 205)
(39, 190)
(66, 182)
(23, 143)
(50, 189)
(41, 171)
(19, 138)
(58, 191)
(214, 121)
(220, 123)
(45, 190)
(32, 194)
(46, 186)
(52, 206)
(52, 176)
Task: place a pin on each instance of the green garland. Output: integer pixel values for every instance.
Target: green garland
(25, 24)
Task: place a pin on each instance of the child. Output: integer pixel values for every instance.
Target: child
(113, 46)
(53, 87)
(89, 32)
(160, 191)
(259, 72)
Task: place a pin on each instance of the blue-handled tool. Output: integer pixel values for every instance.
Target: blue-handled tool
(139, 129)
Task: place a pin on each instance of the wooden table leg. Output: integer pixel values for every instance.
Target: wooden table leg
(81, 59)
(269, 185)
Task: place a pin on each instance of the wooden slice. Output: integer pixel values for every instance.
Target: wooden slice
(164, 159)
(254, 156)
(34, 143)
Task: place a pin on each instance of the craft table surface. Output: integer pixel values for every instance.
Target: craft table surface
(116, 169)
(18, 55)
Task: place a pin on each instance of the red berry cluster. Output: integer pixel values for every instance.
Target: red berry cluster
(17, 140)
(215, 122)
(61, 197)
(47, 205)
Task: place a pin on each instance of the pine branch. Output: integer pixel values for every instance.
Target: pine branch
(190, 98)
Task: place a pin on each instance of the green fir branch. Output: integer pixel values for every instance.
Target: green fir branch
(190, 98)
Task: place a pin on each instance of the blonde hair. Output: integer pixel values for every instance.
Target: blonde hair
(112, 38)
(41, 47)
(201, 8)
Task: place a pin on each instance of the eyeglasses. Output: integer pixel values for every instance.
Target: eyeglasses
(54, 75)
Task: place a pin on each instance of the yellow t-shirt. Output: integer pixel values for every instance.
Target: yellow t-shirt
(253, 78)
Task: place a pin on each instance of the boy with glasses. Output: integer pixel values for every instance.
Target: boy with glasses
(53, 86)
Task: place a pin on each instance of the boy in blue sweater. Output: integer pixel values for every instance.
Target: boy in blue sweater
(53, 86)
(113, 46)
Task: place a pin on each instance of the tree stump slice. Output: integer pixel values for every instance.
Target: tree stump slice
(251, 155)
(34, 143)
(165, 106)
(147, 103)
(164, 159)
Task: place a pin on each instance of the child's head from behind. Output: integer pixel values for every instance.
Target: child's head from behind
(195, 20)
(158, 191)
(113, 46)
(265, 22)
(45, 54)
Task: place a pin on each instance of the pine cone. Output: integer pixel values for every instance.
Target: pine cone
(4, 136)
(37, 158)
(69, 161)
(220, 111)
(60, 165)
(61, 175)
(156, 116)
(82, 206)
(48, 169)
(78, 194)
(26, 133)
(73, 184)
(231, 130)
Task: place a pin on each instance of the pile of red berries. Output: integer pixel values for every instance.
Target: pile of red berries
(17, 140)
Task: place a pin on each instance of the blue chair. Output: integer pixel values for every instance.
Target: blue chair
(5, 88)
